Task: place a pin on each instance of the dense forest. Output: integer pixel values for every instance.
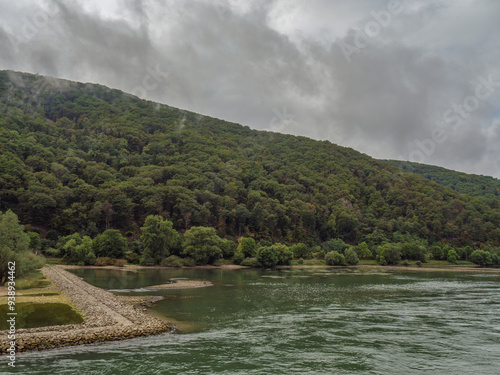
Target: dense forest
(470, 184)
(84, 160)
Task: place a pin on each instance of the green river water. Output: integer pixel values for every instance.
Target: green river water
(299, 321)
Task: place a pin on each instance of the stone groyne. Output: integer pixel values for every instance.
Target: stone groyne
(106, 318)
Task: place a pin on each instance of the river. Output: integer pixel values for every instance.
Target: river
(299, 321)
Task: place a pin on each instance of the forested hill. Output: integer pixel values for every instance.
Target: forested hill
(470, 184)
(82, 158)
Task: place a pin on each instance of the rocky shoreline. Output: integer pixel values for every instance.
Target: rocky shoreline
(106, 318)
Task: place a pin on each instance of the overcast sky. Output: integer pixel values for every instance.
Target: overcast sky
(413, 80)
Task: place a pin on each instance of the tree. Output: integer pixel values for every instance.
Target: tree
(411, 250)
(110, 244)
(79, 251)
(364, 251)
(438, 252)
(389, 253)
(247, 247)
(85, 248)
(267, 256)
(283, 253)
(5, 258)
(351, 258)
(335, 244)
(35, 241)
(300, 250)
(481, 257)
(12, 234)
(203, 245)
(105, 161)
(452, 256)
(346, 225)
(14, 244)
(228, 248)
(12, 238)
(334, 258)
(159, 238)
(238, 257)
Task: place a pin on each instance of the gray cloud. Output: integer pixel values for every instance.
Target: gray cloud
(271, 65)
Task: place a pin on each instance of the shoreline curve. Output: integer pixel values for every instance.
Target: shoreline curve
(106, 318)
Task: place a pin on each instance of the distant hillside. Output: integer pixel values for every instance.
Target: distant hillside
(82, 158)
(470, 184)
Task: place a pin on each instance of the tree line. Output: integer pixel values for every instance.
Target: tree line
(82, 160)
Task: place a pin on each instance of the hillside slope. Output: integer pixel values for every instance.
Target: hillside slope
(82, 158)
(470, 184)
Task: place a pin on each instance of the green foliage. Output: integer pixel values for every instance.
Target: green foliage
(438, 252)
(12, 235)
(406, 263)
(203, 245)
(79, 251)
(495, 258)
(335, 244)
(159, 238)
(470, 184)
(351, 258)
(481, 257)
(228, 248)
(334, 258)
(389, 254)
(452, 256)
(364, 251)
(381, 260)
(190, 262)
(251, 262)
(110, 244)
(104, 261)
(267, 256)
(5, 257)
(283, 253)
(320, 254)
(238, 257)
(132, 257)
(301, 250)
(86, 159)
(14, 244)
(27, 262)
(172, 261)
(247, 246)
(413, 251)
(35, 241)
(464, 252)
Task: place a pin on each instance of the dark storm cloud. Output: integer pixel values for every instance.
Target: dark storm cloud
(283, 66)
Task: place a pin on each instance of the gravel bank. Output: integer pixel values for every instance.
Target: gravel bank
(181, 284)
(106, 318)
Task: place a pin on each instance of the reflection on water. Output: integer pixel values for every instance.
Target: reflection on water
(33, 315)
(300, 321)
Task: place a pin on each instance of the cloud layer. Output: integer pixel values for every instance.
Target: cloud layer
(414, 80)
